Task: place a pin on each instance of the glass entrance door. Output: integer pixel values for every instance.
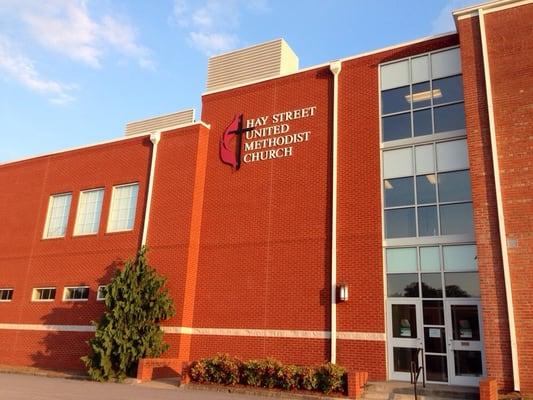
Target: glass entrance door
(404, 336)
(465, 356)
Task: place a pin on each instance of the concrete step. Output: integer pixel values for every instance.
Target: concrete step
(393, 390)
(375, 395)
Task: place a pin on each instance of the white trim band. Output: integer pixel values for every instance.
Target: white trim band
(275, 333)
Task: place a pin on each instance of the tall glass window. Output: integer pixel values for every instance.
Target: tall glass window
(89, 210)
(123, 206)
(57, 217)
(422, 96)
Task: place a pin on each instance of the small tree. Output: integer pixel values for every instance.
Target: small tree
(129, 330)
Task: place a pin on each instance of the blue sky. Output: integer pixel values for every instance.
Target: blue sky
(73, 72)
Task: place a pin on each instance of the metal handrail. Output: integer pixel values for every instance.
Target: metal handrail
(415, 371)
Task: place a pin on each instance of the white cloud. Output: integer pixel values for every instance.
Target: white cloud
(212, 26)
(444, 21)
(66, 27)
(23, 70)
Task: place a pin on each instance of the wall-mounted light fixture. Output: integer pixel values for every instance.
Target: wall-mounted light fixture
(343, 292)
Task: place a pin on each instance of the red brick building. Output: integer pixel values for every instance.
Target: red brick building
(354, 211)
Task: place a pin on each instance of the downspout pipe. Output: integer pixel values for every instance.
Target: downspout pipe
(499, 203)
(335, 68)
(155, 137)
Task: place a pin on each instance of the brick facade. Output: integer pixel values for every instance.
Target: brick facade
(247, 253)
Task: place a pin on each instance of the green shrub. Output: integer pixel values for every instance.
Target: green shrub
(221, 369)
(270, 370)
(251, 373)
(288, 377)
(330, 378)
(307, 379)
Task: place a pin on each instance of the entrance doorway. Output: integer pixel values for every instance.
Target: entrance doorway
(448, 332)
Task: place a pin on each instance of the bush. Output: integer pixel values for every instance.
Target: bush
(331, 378)
(268, 373)
(221, 369)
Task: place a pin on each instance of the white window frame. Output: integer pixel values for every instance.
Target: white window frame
(113, 199)
(6, 289)
(48, 215)
(76, 226)
(34, 294)
(98, 298)
(66, 288)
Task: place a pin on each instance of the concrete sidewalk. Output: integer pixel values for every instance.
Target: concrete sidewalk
(30, 387)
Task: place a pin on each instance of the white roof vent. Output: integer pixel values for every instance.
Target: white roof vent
(166, 121)
(266, 60)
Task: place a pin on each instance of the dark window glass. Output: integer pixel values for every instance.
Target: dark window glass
(454, 186)
(449, 118)
(426, 189)
(456, 219)
(6, 294)
(468, 363)
(465, 322)
(404, 321)
(436, 368)
(402, 285)
(399, 192)
(395, 100)
(403, 357)
(449, 89)
(433, 311)
(428, 221)
(421, 95)
(396, 127)
(422, 122)
(462, 284)
(431, 285)
(434, 340)
(400, 223)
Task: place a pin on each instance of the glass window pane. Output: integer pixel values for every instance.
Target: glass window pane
(403, 357)
(396, 127)
(449, 118)
(422, 122)
(395, 100)
(460, 258)
(465, 322)
(445, 63)
(462, 284)
(429, 259)
(427, 221)
(401, 260)
(395, 75)
(456, 219)
(123, 207)
(404, 321)
(433, 311)
(420, 69)
(424, 159)
(399, 192)
(400, 223)
(397, 163)
(431, 285)
(454, 186)
(436, 368)
(434, 340)
(467, 363)
(426, 189)
(452, 155)
(58, 211)
(421, 96)
(447, 90)
(402, 285)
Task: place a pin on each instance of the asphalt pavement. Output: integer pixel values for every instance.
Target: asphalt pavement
(31, 387)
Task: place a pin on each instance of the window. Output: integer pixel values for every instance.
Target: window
(123, 205)
(76, 293)
(427, 190)
(6, 294)
(89, 210)
(422, 95)
(57, 217)
(100, 294)
(44, 294)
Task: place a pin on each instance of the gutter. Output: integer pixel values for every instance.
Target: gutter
(155, 137)
(499, 203)
(335, 68)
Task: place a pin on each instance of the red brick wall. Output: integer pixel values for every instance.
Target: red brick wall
(494, 309)
(509, 33)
